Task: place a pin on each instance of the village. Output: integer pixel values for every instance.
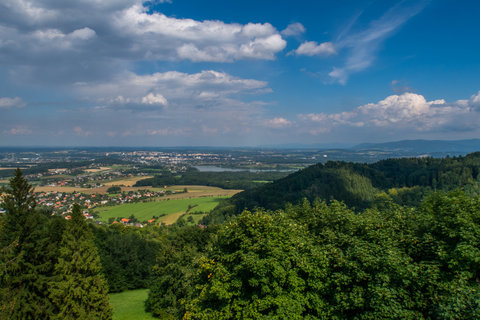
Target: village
(61, 203)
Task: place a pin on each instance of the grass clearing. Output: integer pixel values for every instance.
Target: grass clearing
(169, 210)
(196, 217)
(199, 191)
(171, 218)
(129, 305)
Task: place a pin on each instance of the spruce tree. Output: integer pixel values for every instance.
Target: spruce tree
(26, 254)
(18, 202)
(80, 291)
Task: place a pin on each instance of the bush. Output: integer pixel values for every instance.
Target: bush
(114, 189)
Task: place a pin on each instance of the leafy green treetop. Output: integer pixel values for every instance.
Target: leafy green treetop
(262, 266)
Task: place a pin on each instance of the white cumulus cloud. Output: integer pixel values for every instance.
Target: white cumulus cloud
(209, 100)
(278, 122)
(312, 48)
(293, 29)
(53, 35)
(177, 87)
(407, 112)
(7, 102)
(154, 99)
(475, 101)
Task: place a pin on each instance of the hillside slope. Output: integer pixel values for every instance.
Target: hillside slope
(358, 185)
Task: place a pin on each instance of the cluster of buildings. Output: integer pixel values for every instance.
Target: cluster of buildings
(78, 178)
(62, 202)
(173, 157)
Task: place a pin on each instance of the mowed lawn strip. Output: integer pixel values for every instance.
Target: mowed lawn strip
(146, 210)
(130, 305)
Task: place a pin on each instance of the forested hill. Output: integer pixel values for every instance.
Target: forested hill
(404, 181)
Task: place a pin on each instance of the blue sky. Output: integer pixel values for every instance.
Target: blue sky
(237, 73)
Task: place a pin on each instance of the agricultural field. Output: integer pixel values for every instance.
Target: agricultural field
(199, 191)
(98, 170)
(100, 190)
(129, 305)
(128, 182)
(168, 210)
(62, 189)
(193, 191)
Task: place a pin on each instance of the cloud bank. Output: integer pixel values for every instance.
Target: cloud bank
(405, 114)
(83, 39)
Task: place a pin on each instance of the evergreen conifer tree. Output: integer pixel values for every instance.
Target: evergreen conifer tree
(26, 254)
(80, 291)
(18, 202)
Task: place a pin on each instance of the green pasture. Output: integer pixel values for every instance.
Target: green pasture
(197, 217)
(146, 210)
(129, 305)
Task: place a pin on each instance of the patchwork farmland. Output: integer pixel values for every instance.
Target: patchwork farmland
(168, 210)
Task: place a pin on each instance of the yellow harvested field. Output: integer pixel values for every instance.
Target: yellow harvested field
(97, 170)
(193, 191)
(84, 190)
(10, 168)
(129, 182)
(61, 189)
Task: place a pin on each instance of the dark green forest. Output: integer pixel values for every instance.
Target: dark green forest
(360, 186)
(49, 267)
(397, 239)
(226, 180)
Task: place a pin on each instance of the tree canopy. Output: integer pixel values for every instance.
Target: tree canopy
(326, 261)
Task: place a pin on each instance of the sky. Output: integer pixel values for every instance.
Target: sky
(237, 73)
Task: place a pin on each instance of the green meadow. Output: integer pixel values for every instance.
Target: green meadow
(129, 305)
(146, 210)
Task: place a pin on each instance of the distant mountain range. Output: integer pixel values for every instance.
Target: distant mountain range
(426, 146)
(413, 146)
